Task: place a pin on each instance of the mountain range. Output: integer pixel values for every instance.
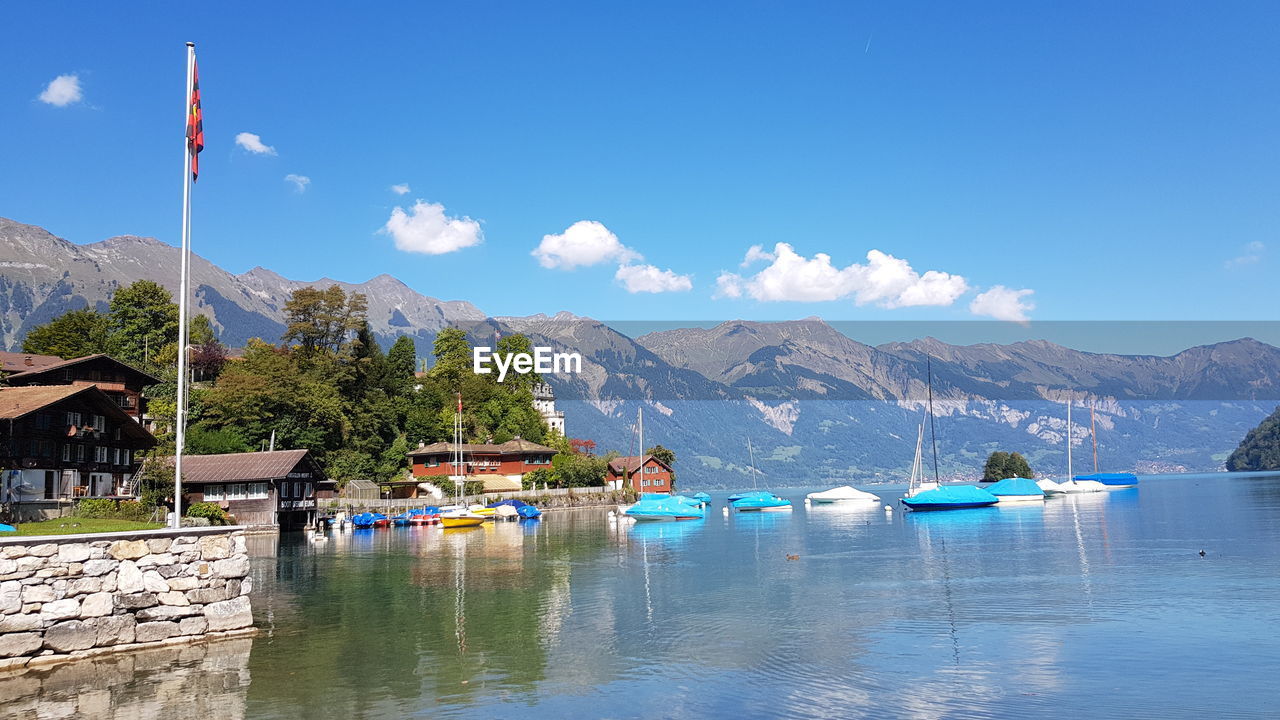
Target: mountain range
(818, 405)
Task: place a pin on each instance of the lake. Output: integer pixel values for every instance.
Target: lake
(1090, 606)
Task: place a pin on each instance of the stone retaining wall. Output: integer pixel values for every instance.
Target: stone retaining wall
(69, 596)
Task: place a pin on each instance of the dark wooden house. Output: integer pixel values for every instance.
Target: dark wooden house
(64, 442)
(278, 488)
(122, 383)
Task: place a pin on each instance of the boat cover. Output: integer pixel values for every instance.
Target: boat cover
(952, 496)
(765, 500)
(513, 503)
(1111, 478)
(1015, 486)
(844, 492)
(663, 507)
(702, 497)
(528, 511)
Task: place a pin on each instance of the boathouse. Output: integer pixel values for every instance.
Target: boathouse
(648, 474)
(277, 488)
(500, 467)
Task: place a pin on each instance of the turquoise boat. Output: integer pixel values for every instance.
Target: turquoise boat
(761, 502)
(703, 498)
(950, 497)
(663, 508)
(1113, 481)
(1016, 489)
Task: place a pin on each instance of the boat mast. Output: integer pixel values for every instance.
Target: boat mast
(457, 452)
(1070, 476)
(752, 455)
(933, 430)
(917, 464)
(1093, 430)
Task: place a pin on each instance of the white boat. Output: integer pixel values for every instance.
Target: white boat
(1071, 486)
(917, 484)
(842, 494)
(1050, 487)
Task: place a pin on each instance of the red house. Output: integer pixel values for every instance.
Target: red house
(501, 467)
(648, 474)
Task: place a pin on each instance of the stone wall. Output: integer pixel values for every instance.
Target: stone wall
(71, 596)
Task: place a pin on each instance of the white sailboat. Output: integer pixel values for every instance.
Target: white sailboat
(1071, 485)
(459, 516)
(917, 484)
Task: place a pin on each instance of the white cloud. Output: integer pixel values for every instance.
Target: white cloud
(1251, 254)
(885, 280)
(1003, 303)
(583, 243)
(650, 279)
(754, 253)
(300, 182)
(426, 229)
(401, 189)
(62, 91)
(728, 285)
(253, 143)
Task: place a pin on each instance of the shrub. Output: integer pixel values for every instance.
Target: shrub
(209, 511)
(101, 508)
(133, 510)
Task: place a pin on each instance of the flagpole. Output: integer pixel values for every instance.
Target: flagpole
(181, 431)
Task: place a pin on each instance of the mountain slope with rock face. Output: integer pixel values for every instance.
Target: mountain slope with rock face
(819, 406)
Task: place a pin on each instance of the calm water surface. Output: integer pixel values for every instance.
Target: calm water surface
(1088, 606)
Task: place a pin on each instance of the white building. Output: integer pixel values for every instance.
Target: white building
(544, 400)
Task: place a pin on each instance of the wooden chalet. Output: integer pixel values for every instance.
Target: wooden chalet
(122, 383)
(60, 443)
(647, 474)
(278, 488)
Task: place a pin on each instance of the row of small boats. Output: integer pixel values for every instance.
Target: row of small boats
(449, 517)
(1012, 490)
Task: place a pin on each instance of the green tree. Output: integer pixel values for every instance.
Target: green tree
(144, 323)
(71, 335)
(453, 358)
(323, 319)
(201, 440)
(1017, 466)
(1260, 448)
(402, 359)
(996, 467)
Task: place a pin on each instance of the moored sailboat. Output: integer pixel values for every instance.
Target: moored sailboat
(459, 516)
(922, 496)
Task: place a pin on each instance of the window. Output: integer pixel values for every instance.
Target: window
(67, 452)
(311, 490)
(50, 484)
(236, 491)
(215, 492)
(257, 491)
(100, 453)
(79, 453)
(431, 462)
(99, 423)
(657, 481)
(42, 421)
(73, 418)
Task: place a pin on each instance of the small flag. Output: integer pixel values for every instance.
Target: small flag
(195, 124)
(459, 402)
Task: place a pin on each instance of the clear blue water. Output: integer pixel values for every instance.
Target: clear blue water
(1092, 606)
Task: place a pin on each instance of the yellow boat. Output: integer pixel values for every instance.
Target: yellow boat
(461, 521)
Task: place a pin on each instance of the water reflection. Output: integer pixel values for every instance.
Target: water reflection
(204, 680)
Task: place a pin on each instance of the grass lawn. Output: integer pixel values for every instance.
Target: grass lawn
(73, 525)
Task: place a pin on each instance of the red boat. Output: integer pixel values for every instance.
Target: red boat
(382, 522)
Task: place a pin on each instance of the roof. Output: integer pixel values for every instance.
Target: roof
(510, 447)
(16, 402)
(19, 401)
(631, 463)
(238, 467)
(501, 483)
(21, 362)
(61, 364)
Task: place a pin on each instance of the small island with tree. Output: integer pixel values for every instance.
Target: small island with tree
(1001, 465)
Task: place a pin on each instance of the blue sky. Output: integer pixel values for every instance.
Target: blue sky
(1120, 162)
